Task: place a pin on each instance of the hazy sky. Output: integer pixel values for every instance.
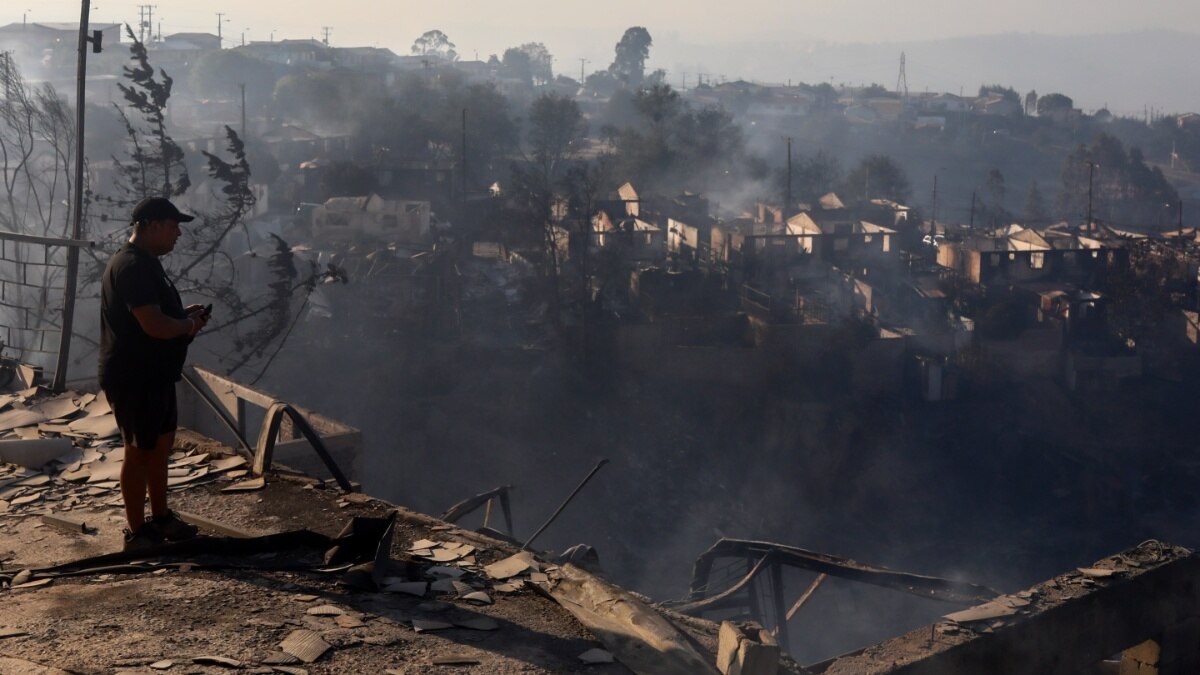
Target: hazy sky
(491, 27)
(483, 29)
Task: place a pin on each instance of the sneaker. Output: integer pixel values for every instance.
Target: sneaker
(145, 537)
(172, 528)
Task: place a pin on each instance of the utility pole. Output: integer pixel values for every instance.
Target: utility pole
(934, 211)
(787, 198)
(64, 340)
(1181, 221)
(972, 209)
(463, 159)
(1091, 226)
(220, 20)
(146, 21)
(325, 31)
(582, 64)
(242, 86)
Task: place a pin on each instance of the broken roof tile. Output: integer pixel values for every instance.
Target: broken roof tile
(305, 645)
(510, 566)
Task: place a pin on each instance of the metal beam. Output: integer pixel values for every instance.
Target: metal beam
(932, 588)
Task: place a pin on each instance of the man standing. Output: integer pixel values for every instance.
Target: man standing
(145, 332)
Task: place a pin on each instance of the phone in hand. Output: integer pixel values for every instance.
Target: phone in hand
(207, 310)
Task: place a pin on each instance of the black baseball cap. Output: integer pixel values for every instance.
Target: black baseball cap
(158, 208)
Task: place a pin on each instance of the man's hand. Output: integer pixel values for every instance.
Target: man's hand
(198, 318)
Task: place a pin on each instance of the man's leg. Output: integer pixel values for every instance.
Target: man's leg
(156, 479)
(133, 485)
(145, 471)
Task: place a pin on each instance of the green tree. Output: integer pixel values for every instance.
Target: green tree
(814, 176)
(218, 74)
(434, 43)
(531, 62)
(329, 99)
(995, 211)
(659, 105)
(876, 176)
(1054, 102)
(874, 91)
(629, 64)
(422, 120)
(707, 143)
(541, 62)
(1035, 206)
(555, 128)
(518, 64)
(825, 97)
(1125, 191)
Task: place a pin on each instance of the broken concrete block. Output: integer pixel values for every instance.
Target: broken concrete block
(64, 523)
(746, 649)
(1141, 659)
(33, 454)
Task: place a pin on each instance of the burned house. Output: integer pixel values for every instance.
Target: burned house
(842, 242)
(648, 229)
(631, 239)
(1019, 254)
(293, 145)
(347, 219)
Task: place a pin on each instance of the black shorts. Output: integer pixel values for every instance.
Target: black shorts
(144, 412)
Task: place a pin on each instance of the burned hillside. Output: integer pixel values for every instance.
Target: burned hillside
(826, 378)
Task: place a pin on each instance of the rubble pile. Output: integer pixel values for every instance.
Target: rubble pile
(64, 453)
(457, 571)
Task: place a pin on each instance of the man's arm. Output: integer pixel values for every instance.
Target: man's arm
(162, 327)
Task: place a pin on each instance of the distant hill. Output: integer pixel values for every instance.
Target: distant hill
(1126, 71)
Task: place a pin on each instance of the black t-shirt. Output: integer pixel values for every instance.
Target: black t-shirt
(128, 356)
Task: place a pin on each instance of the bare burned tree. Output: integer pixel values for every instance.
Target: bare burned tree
(37, 140)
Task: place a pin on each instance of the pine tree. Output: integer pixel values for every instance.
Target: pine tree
(155, 166)
(1035, 206)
